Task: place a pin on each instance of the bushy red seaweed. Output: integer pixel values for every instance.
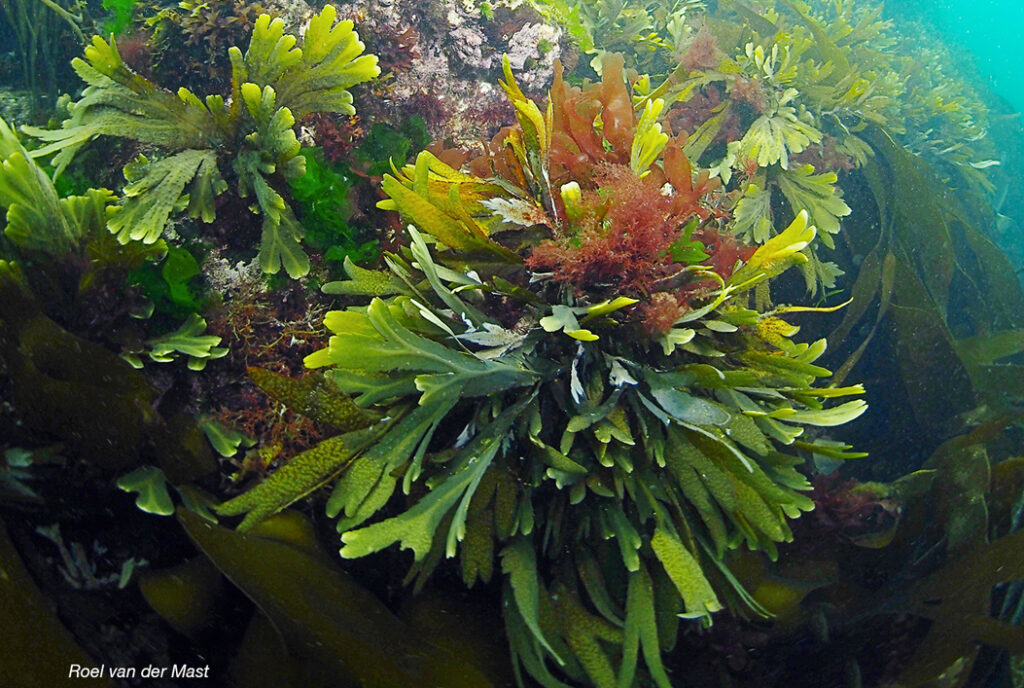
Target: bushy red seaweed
(629, 224)
(631, 232)
(622, 239)
(750, 92)
(703, 52)
(661, 312)
(337, 135)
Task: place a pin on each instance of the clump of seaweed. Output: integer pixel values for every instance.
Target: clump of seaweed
(205, 28)
(398, 49)
(78, 264)
(569, 378)
(335, 136)
(805, 105)
(523, 417)
(651, 32)
(249, 140)
(44, 35)
(270, 331)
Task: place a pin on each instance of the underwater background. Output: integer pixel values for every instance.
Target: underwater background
(511, 343)
(991, 30)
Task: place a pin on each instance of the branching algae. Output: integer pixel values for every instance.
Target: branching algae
(568, 381)
(249, 139)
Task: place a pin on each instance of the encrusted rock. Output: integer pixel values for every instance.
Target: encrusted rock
(532, 52)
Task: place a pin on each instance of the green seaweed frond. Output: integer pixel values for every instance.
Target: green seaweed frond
(774, 136)
(752, 217)
(187, 340)
(207, 145)
(37, 219)
(313, 78)
(818, 195)
(535, 422)
(650, 140)
(40, 221)
(157, 189)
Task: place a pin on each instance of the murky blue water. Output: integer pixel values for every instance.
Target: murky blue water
(992, 30)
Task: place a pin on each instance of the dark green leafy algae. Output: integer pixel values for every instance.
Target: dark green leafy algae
(39, 651)
(338, 633)
(579, 308)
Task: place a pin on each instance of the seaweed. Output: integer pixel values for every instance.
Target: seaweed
(321, 198)
(121, 12)
(251, 141)
(328, 194)
(205, 28)
(801, 106)
(59, 380)
(937, 277)
(45, 35)
(647, 30)
(29, 614)
(525, 414)
(385, 145)
(168, 287)
(332, 629)
(55, 233)
(566, 374)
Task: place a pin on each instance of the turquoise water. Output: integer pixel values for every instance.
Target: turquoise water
(992, 30)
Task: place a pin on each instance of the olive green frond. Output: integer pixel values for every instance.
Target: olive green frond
(752, 217)
(156, 189)
(773, 138)
(205, 143)
(445, 204)
(119, 102)
(187, 340)
(314, 397)
(35, 216)
(818, 195)
(330, 63)
(296, 479)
